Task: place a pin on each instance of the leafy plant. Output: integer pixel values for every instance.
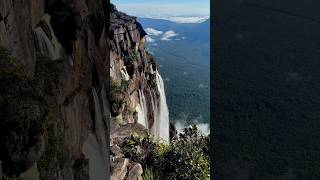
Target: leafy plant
(150, 174)
(138, 148)
(185, 157)
(117, 98)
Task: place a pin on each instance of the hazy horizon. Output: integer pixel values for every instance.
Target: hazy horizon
(187, 11)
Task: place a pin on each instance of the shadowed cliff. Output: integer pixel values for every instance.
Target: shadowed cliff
(54, 102)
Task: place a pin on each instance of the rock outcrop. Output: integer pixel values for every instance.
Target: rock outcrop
(138, 103)
(136, 85)
(54, 91)
(54, 88)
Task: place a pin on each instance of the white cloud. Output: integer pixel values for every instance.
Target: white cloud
(181, 123)
(151, 9)
(168, 35)
(179, 126)
(201, 85)
(203, 128)
(153, 32)
(150, 40)
(192, 19)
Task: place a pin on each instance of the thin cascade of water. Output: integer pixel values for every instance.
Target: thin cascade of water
(162, 123)
(153, 107)
(159, 108)
(95, 147)
(124, 74)
(140, 112)
(143, 109)
(48, 47)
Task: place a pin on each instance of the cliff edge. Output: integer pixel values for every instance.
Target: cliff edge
(57, 58)
(138, 102)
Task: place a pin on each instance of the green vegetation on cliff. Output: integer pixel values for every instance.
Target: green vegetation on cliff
(185, 157)
(23, 113)
(29, 126)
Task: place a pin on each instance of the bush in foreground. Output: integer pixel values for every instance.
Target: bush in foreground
(185, 157)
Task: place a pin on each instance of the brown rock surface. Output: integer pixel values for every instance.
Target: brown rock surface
(79, 26)
(130, 59)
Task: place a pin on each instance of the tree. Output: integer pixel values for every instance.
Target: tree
(186, 157)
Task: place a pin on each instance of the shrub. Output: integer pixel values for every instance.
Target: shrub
(133, 55)
(23, 112)
(150, 174)
(138, 148)
(186, 157)
(117, 98)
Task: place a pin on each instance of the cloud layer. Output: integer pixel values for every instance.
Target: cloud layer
(163, 9)
(203, 128)
(153, 32)
(168, 35)
(191, 19)
(150, 40)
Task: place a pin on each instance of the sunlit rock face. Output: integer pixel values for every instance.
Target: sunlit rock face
(136, 77)
(138, 101)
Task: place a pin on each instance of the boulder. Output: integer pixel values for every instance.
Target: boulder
(135, 172)
(119, 168)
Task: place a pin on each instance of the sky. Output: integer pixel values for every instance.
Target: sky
(164, 8)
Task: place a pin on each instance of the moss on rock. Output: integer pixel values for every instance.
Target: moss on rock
(23, 112)
(29, 115)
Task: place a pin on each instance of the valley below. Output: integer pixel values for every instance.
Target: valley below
(184, 60)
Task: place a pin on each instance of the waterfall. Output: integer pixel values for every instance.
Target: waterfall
(124, 74)
(95, 147)
(151, 69)
(142, 110)
(160, 110)
(161, 127)
(153, 105)
(47, 44)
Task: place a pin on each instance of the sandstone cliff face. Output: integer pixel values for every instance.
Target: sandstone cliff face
(133, 72)
(137, 93)
(62, 48)
(54, 84)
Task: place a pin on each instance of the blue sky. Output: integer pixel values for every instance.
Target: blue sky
(152, 8)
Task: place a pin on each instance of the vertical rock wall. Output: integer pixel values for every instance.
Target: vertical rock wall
(138, 103)
(54, 76)
(135, 93)
(62, 47)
